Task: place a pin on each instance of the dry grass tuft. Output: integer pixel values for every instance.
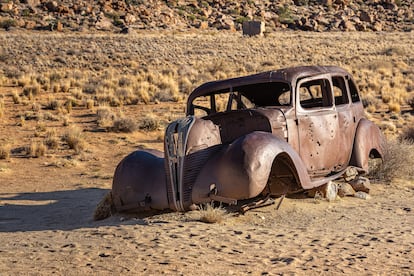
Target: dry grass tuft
(149, 123)
(398, 162)
(211, 214)
(2, 107)
(105, 116)
(31, 90)
(16, 98)
(51, 139)
(124, 124)
(407, 135)
(410, 102)
(104, 209)
(37, 149)
(394, 107)
(74, 138)
(4, 151)
(52, 104)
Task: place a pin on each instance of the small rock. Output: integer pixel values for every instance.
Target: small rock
(328, 191)
(59, 26)
(361, 184)
(348, 25)
(345, 189)
(103, 23)
(127, 30)
(350, 174)
(362, 195)
(203, 25)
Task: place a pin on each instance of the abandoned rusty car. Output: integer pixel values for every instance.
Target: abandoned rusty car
(269, 134)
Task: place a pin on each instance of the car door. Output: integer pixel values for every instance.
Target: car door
(318, 127)
(347, 120)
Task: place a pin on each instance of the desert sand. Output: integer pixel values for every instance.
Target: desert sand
(46, 227)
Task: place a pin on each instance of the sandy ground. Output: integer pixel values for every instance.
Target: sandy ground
(46, 227)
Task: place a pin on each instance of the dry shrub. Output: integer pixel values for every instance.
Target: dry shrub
(143, 92)
(37, 149)
(4, 152)
(407, 135)
(64, 87)
(398, 162)
(371, 108)
(370, 99)
(186, 86)
(66, 120)
(124, 124)
(2, 107)
(16, 98)
(126, 96)
(388, 127)
(394, 107)
(51, 139)
(90, 103)
(105, 116)
(50, 117)
(149, 123)
(168, 89)
(32, 115)
(52, 104)
(74, 138)
(55, 88)
(104, 208)
(41, 126)
(24, 80)
(124, 81)
(77, 93)
(31, 90)
(211, 214)
(410, 102)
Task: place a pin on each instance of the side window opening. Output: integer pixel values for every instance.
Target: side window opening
(339, 89)
(202, 106)
(354, 91)
(315, 93)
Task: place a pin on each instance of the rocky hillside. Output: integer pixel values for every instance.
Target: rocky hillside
(127, 15)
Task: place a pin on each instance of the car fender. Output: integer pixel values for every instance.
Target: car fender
(368, 140)
(139, 182)
(241, 170)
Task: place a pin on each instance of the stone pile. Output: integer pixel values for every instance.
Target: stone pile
(112, 15)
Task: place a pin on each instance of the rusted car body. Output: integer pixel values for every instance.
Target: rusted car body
(272, 133)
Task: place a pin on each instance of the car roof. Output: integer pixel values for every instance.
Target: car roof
(287, 75)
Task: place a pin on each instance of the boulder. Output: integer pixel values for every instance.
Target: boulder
(347, 25)
(253, 28)
(130, 19)
(103, 23)
(366, 17)
(377, 26)
(6, 7)
(51, 6)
